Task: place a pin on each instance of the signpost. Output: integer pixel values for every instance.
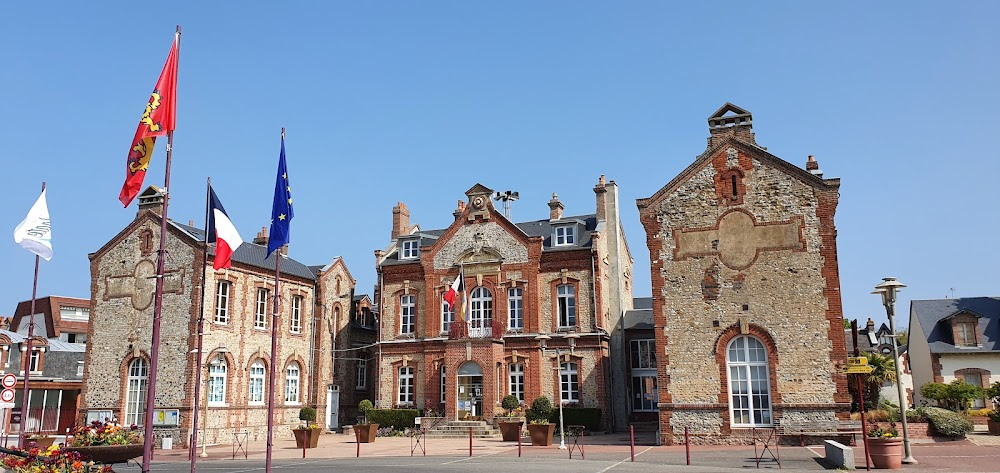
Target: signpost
(858, 365)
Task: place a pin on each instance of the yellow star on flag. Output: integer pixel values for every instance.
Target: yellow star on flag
(281, 217)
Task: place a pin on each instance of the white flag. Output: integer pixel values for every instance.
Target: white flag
(35, 233)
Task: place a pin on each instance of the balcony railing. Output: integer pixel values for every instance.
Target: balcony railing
(491, 329)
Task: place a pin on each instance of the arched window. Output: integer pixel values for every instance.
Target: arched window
(292, 383)
(256, 394)
(569, 382)
(481, 316)
(217, 382)
(135, 398)
(749, 382)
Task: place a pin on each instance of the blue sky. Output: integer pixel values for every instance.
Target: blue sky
(418, 101)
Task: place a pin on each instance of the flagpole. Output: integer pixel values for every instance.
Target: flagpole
(25, 405)
(193, 450)
(154, 347)
(274, 350)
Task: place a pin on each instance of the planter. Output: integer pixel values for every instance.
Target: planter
(306, 438)
(993, 426)
(365, 433)
(43, 441)
(541, 434)
(510, 430)
(109, 454)
(886, 453)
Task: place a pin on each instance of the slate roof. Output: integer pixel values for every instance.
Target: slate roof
(59, 345)
(932, 316)
(641, 317)
(253, 255)
(537, 228)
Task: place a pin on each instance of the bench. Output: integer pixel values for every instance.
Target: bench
(838, 455)
(818, 428)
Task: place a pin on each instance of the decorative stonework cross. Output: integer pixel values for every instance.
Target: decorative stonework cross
(141, 283)
(738, 239)
(406, 360)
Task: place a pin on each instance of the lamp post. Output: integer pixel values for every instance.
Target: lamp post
(887, 289)
(562, 430)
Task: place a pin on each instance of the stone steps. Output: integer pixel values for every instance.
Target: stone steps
(457, 429)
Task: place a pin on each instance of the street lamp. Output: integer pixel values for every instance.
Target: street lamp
(887, 289)
(562, 430)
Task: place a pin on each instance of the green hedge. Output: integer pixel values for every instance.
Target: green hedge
(398, 419)
(948, 423)
(586, 416)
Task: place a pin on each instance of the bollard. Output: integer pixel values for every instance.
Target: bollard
(357, 440)
(470, 441)
(687, 445)
(519, 442)
(304, 446)
(631, 440)
(583, 455)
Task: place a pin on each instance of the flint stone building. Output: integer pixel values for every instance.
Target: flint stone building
(746, 290)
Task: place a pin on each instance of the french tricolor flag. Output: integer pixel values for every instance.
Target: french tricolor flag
(221, 232)
(456, 286)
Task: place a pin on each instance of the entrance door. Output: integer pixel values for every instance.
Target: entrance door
(470, 390)
(332, 407)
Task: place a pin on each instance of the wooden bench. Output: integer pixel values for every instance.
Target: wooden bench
(818, 428)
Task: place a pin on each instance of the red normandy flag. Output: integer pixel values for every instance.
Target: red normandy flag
(158, 119)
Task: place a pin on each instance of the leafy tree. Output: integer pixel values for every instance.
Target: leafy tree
(956, 395)
(903, 337)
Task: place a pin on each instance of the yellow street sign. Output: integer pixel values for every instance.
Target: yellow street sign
(859, 369)
(857, 360)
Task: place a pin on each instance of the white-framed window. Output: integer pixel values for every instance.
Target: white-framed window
(885, 339)
(447, 316)
(34, 363)
(411, 249)
(749, 383)
(481, 313)
(296, 318)
(79, 368)
(444, 382)
(361, 374)
(515, 309)
(217, 382)
(643, 354)
(405, 385)
(256, 388)
(135, 398)
(260, 312)
(292, 383)
(407, 313)
(566, 300)
(515, 376)
(569, 382)
(565, 235)
(222, 302)
(966, 334)
(975, 379)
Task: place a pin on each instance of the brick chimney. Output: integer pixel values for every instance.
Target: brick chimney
(458, 210)
(400, 220)
(151, 199)
(870, 326)
(555, 208)
(602, 199)
(813, 167)
(730, 120)
(261, 238)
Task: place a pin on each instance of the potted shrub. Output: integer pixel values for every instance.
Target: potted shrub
(365, 431)
(106, 443)
(307, 435)
(885, 447)
(510, 422)
(538, 422)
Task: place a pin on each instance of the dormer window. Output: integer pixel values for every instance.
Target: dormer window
(966, 334)
(565, 235)
(410, 250)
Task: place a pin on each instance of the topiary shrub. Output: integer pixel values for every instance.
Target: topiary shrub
(510, 402)
(541, 409)
(948, 423)
(364, 406)
(397, 419)
(307, 414)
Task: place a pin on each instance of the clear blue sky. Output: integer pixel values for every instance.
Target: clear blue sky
(418, 101)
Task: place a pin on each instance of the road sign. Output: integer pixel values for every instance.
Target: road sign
(9, 380)
(7, 398)
(858, 365)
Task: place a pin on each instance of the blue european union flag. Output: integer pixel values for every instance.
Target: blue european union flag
(281, 211)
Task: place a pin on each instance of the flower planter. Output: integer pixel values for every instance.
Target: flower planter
(365, 433)
(43, 441)
(510, 430)
(541, 434)
(109, 454)
(886, 453)
(993, 426)
(306, 438)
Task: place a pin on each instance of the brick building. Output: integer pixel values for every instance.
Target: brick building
(746, 290)
(543, 296)
(237, 340)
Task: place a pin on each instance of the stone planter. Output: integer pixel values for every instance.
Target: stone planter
(993, 426)
(306, 438)
(510, 430)
(365, 433)
(886, 453)
(541, 434)
(109, 454)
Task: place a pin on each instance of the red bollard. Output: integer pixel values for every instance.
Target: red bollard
(631, 440)
(357, 440)
(470, 441)
(304, 447)
(687, 445)
(582, 454)
(519, 442)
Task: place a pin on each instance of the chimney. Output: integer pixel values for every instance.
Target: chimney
(870, 326)
(151, 199)
(261, 238)
(730, 120)
(400, 220)
(190, 222)
(813, 167)
(458, 211)
(602, 199)
(555, 208)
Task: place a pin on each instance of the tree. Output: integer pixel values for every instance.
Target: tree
(956, 395)
(903, 337)
(883, 371)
